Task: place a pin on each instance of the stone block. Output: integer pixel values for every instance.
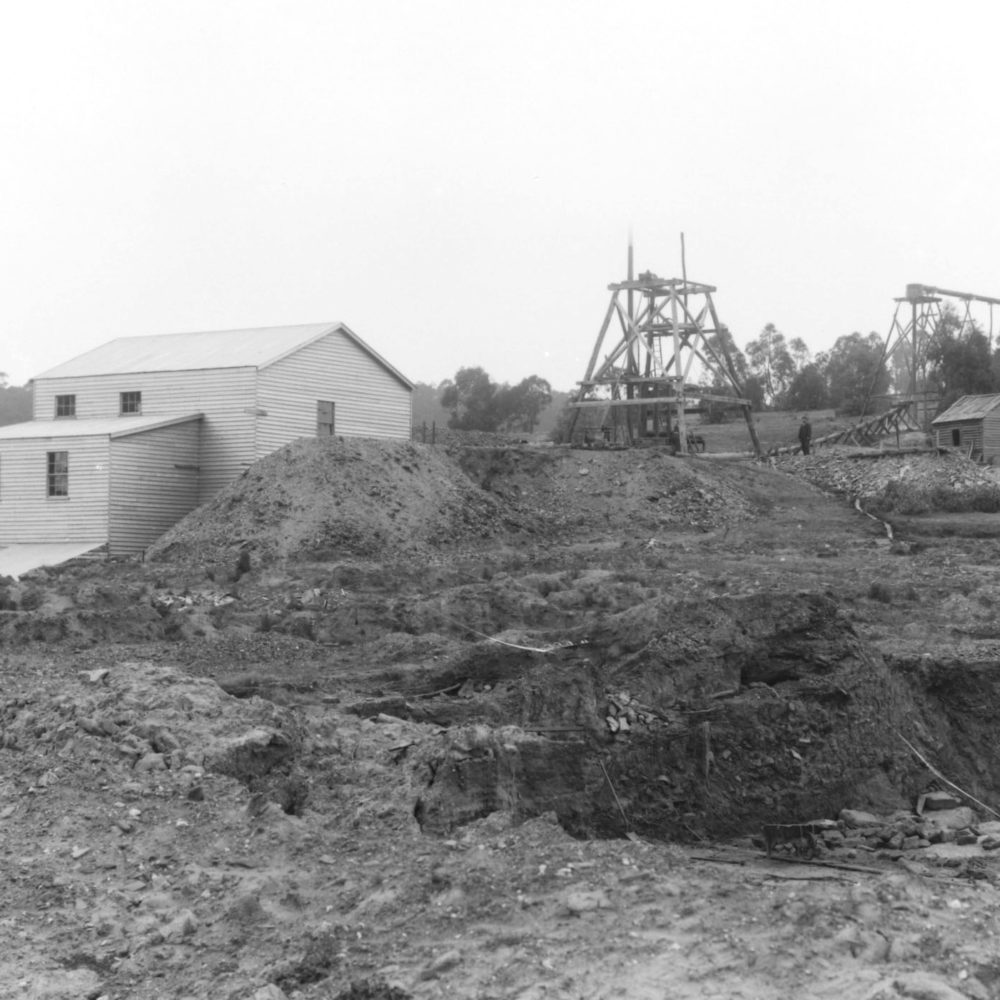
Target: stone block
(937, 801)
(951, 819)
(855, 819)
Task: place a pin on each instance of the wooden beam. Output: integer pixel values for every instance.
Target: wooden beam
(967, 296)
(731, 372)
(662, 286)
(658, 400)
(692, 392)
(681, 419)
(735, 400)
(600, 338)
(613, 403)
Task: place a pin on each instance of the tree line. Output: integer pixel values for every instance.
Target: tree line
(854, 376)
(775, 372)
(476, 403)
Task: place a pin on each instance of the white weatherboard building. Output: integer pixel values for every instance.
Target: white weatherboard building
(128, 438)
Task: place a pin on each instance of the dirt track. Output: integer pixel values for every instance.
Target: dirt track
(389, 721)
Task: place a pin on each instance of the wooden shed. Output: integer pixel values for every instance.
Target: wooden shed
(136, 433)
(106, 482)
(972, 425)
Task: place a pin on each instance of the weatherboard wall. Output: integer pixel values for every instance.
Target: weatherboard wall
(154, 483)
(369, 400)
(972, 434)
(991, 435)
(28, 514)
(226, 397)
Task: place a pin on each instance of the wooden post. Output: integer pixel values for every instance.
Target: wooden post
(433, 431)
(679, 390)
(631, 275)
(684, 272)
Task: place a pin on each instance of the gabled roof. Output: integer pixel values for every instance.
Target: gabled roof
(70, 427)
(968, 408)
(166, 352)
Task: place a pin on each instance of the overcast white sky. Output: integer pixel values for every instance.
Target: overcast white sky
(456, 180)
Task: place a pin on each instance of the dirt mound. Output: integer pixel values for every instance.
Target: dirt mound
(648, 490)
(323, 499)
(326, 500)
(890, 483)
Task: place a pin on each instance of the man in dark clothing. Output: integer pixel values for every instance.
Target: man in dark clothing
(805, 435)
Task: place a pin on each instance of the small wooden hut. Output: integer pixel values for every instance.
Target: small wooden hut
(972, 425)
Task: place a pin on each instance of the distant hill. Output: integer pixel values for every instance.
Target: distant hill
(15, 405)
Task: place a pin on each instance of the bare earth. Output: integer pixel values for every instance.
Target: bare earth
(388, 721)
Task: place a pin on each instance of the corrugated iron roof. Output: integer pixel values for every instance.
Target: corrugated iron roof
(164, 352)
(167, 352)
(70, 427)
(968, 408)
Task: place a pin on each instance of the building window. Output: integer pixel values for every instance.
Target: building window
(65, 406)
(324, 418)
(129, 403)
(956, 436)
(58, 474)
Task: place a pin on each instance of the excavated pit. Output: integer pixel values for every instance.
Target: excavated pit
(743, 712)
(594, 690)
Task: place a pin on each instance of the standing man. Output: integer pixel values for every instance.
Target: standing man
(805, 435)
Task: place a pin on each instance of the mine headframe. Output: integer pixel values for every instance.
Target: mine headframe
(660, 357)
(914, 323)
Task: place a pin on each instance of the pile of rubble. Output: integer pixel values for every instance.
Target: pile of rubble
(624, 712)
(945, 832)
(901, 483)
(189, 600)
(563, 488)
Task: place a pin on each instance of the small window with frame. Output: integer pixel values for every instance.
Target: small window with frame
(129, 404)
(57, 478)
(65, 406)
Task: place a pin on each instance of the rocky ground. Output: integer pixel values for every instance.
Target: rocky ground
(495, 721)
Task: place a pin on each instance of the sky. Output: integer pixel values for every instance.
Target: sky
(457, 180)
